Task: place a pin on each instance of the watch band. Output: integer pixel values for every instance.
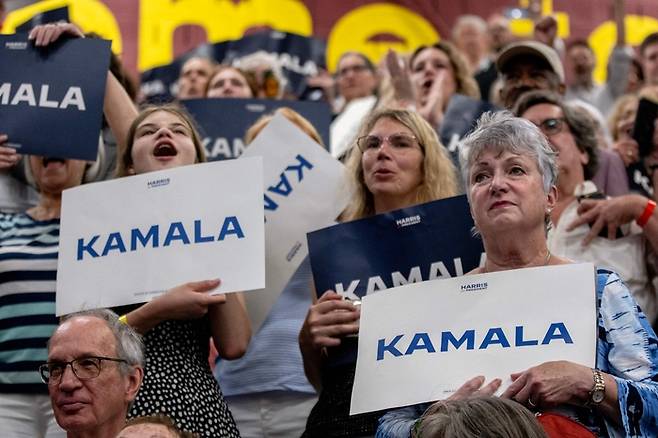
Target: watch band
(597, 394)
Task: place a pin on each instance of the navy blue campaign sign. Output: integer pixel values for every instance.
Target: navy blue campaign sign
(299, 57)
(51, 99)
(410, 245)
(223, 122)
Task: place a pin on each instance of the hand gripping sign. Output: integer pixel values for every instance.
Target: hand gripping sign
(51, 98)
(420, 342)
(128, 240)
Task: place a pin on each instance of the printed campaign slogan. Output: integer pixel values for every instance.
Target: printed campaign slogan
(224, 122)
(51, 98)
(410, 245)
(304, 191)
(420, 342)
(424, 242)
(127, 240)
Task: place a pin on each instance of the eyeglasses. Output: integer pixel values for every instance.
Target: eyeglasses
(359, 68)
(551, 126)
(84, 368)
(399, 141)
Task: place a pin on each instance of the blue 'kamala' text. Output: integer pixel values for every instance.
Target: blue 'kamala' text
(137, 238)
(494, 336)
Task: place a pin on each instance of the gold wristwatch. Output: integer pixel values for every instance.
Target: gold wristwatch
(597, 394)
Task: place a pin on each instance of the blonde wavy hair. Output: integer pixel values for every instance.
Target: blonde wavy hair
(439, 174)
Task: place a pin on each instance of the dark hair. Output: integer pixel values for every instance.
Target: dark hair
(649, 40)
(581, 125)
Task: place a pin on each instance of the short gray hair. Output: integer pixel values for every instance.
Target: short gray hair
(476, 417)
(501, 131)
(129, 343)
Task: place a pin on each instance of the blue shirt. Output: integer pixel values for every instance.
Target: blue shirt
(273, 361)
(627, 349)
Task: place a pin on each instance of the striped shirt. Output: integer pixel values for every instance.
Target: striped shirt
(28, 269)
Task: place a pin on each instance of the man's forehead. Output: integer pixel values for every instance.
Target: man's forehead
(82, 336)
(526, 62)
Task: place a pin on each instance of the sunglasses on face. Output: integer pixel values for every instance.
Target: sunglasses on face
(398, 141)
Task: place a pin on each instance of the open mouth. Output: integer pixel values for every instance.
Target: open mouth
(165, 150)
(48, 160)
(427, 84)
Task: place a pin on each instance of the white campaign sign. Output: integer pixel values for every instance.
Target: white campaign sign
(421, 341)
(126, 241)
(304, 190)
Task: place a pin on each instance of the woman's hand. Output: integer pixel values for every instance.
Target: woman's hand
(551, 384)
(8, 156)
(432, 107)
(473, 388)
(610, 213)
(400, 79)
(628, 150)
(328, 320)
(187, 301)
(45, 34)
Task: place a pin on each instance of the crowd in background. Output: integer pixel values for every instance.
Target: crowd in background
(388, 118)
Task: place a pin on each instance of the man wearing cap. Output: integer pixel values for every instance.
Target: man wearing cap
(94, 370)
(526, 66)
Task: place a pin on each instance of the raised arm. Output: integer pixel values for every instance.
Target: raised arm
(119, 109)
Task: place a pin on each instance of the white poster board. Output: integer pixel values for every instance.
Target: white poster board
(128, 240)
(409, 340)
(304, 190)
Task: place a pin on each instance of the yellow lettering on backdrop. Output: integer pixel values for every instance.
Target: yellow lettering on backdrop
(90, 15)
(222, 20)
(603, 38)
(354, 29)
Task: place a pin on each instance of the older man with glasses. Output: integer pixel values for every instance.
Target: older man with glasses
(94, 370)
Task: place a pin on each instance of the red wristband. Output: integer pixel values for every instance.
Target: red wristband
(646, 214)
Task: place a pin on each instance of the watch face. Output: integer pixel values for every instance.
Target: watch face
(598, 396)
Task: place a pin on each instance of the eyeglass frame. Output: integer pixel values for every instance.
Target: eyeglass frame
(43, 368)
(385, 139)
(561, 121)
(356, 68)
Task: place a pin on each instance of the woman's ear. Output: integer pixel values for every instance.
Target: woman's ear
(551, 198)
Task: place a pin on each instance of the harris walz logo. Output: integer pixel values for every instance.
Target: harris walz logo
(16, 45)
(407, 221)
(473, 287)
(157, 182)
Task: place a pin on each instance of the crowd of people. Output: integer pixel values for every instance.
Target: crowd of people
(553, 176)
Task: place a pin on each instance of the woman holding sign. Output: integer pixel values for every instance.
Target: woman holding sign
(178, 324)
(510, 171)
(28, 267)
(397, 162)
